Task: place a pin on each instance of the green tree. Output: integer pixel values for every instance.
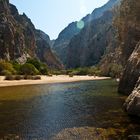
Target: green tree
(41, 67)
(35, 62)
(28, 69)
(16, 66)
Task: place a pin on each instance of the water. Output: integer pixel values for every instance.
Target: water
(43, 111)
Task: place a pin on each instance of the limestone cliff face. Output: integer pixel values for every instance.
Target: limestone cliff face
(12, 40)
(131, 73)
(29, 34)
(132, 103)
(18, 39)
(129, 35)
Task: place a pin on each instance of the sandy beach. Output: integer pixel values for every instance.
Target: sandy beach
(47, 80)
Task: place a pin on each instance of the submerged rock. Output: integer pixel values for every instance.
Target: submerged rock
(88, 133)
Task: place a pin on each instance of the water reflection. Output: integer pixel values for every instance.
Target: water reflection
(42, 111)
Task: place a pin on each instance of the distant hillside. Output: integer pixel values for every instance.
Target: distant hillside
(64, 38)
(88, 47)
(44, 52)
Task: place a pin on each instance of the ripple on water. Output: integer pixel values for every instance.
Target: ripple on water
(64, 110)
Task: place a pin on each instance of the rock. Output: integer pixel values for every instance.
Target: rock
(132, 103)
(72, 38)
(18, 38)
(87, 133)
(12, 41)
(131, 72)
(88, 47)
(44, 52)
(128, 25)
(134, 137)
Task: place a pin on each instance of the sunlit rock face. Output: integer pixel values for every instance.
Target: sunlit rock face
(129, 35)
(132, 103)
(131, 72)
(18, 39)
(17, 33)
(12, 40)
(61, 45)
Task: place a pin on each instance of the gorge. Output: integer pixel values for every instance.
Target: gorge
(108, 39)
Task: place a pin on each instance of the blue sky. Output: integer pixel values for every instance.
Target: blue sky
(52, 16)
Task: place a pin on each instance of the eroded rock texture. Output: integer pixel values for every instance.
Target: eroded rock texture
(132, 103)
(19, 38)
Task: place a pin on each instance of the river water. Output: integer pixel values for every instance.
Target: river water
(41, 112)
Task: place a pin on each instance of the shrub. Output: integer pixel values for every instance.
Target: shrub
(9, 77)
(36, 78)
(94, 71)
(31, 77)
(16, 66)
(6, 72)
(28, 69)
(91, 71)
(78, 71)
(18, 77)
(82, 71)
(6, 68)
(41, 67)
(27, 77)
(34, 62)
(56, 72)
(71, 75)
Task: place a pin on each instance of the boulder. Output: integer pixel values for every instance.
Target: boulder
(132, 103)
(131, 72)
(134, 137)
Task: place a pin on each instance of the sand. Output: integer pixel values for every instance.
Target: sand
(47, 80)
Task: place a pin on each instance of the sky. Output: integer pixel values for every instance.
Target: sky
(52, 16)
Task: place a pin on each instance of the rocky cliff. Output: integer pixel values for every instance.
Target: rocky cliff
(19, 38)
(129, 36)
(43, 50)
(130, 83)
(64, 39)
(128, 23)
(12, 39)
(132, 103)
(131, 73)
(88, 47)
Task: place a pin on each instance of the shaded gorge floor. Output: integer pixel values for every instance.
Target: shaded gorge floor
(69, 111)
